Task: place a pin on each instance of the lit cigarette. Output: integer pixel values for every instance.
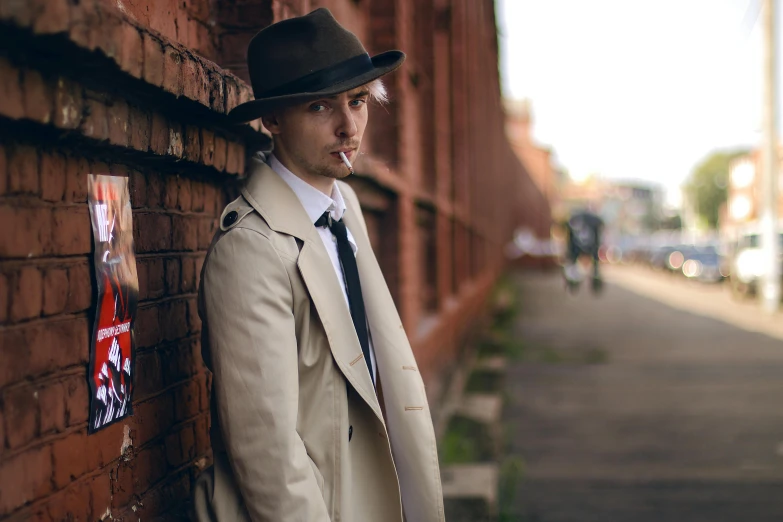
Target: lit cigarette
(345, 160)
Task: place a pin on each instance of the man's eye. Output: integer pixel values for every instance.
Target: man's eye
(358, 103)
(317, 107)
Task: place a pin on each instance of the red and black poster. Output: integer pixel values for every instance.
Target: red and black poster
(112, 342)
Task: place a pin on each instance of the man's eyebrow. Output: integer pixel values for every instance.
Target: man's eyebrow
(360, 94)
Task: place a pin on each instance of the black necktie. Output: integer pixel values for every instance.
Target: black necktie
(352, 284)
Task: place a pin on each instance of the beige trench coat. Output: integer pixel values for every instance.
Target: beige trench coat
(291, 440)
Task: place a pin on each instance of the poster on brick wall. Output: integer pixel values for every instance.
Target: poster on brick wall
(112, 344)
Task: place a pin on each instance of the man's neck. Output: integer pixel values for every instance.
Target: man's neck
(320, 183)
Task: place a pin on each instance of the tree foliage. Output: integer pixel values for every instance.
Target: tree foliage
(706, 188)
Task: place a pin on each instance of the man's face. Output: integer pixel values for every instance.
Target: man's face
(308, 137)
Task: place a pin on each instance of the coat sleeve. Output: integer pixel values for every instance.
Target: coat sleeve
(248, 307)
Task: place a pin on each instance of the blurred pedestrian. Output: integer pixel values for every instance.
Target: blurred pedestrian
(318, 409)
(584, 229)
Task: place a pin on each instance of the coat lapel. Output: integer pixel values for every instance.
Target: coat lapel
(271, 197)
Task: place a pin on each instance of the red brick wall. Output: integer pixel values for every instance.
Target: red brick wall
(133, 88)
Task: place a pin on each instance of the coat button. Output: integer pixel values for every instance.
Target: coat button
(350, 433)
(230, 218)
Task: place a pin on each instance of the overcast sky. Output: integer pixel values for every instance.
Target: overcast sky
(635, 88)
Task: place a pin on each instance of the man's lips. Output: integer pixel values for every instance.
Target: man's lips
(348, 153)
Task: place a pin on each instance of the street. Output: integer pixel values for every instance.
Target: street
(659, 400)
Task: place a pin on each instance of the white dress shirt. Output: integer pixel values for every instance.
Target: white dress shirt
(315, 204)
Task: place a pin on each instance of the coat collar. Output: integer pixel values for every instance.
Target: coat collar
(277, 203)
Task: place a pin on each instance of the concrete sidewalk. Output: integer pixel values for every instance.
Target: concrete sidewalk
(638, 406)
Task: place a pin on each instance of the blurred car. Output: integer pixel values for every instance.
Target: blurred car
(702, 264)
(746, 262)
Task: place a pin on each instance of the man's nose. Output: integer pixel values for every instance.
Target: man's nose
(347, 126)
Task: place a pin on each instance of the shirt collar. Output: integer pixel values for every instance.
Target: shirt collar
(313, 200)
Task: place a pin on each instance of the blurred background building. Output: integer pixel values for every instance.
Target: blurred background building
(141, 88)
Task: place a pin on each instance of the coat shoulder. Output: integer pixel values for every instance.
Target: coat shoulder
(240, 215)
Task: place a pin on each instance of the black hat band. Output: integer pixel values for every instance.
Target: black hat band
(323, 78)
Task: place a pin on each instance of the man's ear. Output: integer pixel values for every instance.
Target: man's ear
(271, 122)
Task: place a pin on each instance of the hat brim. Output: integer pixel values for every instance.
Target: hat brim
(383, 63)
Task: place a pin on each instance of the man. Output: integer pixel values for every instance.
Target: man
(584, 238)
(318, 410)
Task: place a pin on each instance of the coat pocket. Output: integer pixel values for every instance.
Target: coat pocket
(319, 478)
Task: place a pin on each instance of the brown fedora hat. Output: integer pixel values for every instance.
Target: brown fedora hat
(305, 58)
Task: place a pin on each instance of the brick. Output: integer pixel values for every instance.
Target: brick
(231, 92)
(69, 458)
(25, 477)
(140, 129)
(180, 362)
(77, 400)
(51, 401)
(196, 196)
(170, 192)
(184, 198)
(194, 321)
(184, 233)
(192, 143)
(187, 440)
(95, 123)
(131, 59)
(27, 352)
(68, 104)
(117, 117)
(173, 275)
(156, 282)
(201, 431)
(206, 230)
(76, 171)
(207, 146)
(159, 141)
(38, 96)
(153, 61)
(80, 288)
(186, 401)
(5, 298)
(142, 275)
(221, 151)
(173, 320)
(105, 35)
(55, 290)
(174, 454)
(190, 71)
(176, 145)
(3, 170)
(100, 497)
(217, 94)
(71, 504)
(154, 232)
(72, 231)
(147, 327)
(52, 177)
(150, 467)
(84, 21)
(11, 104)
(27, 295)
(105, 446)
(53, 16)
(137, 187)
(122, 485)
(153, 418)
(188, 280)
(172, 70)
(149, 376)
(235, 159)
(154, 190)
(23, 170)
(21, 415)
